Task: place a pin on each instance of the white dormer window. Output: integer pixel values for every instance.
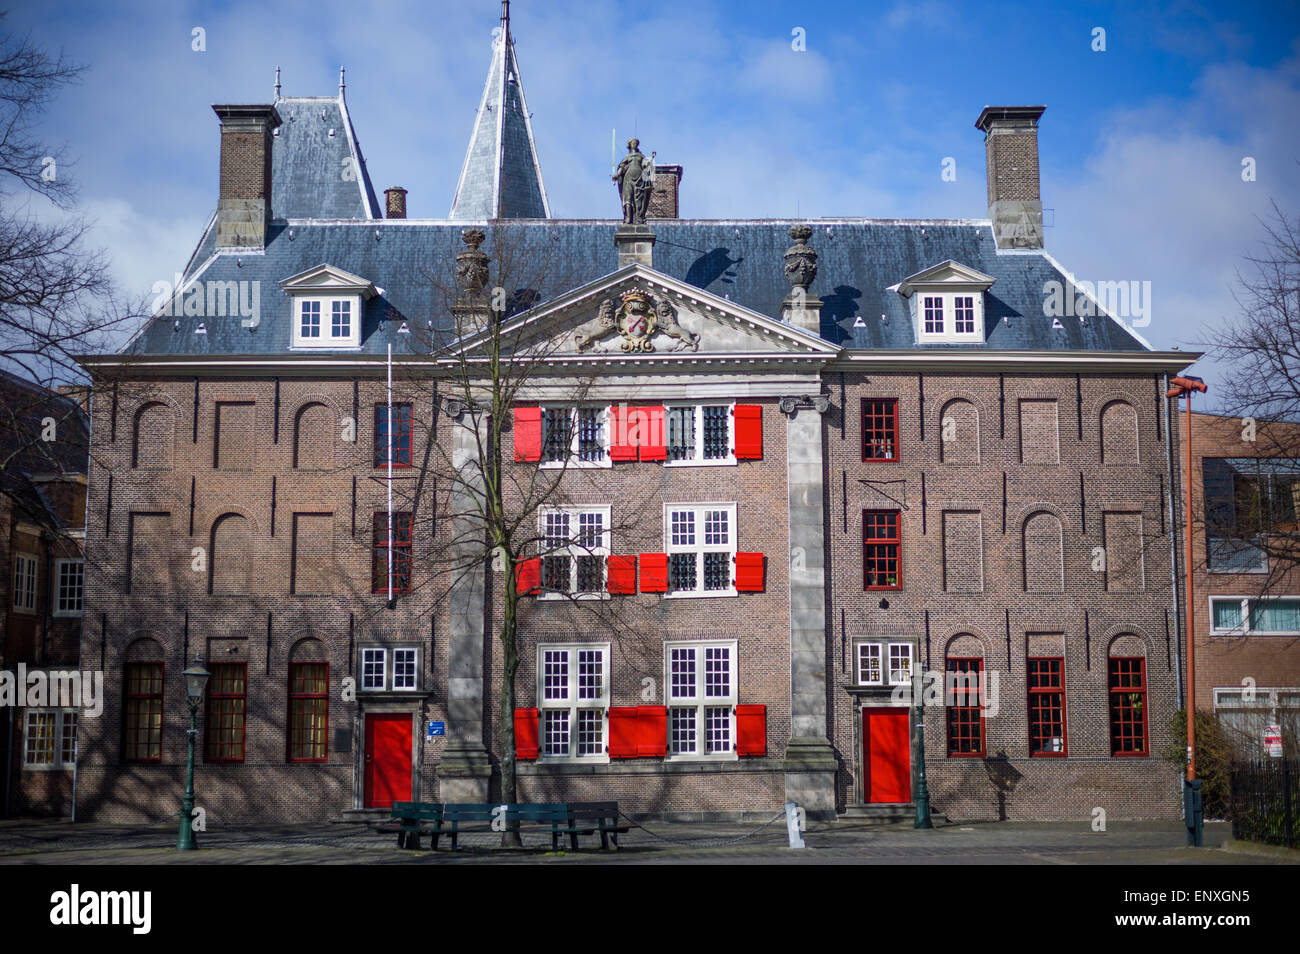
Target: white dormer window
(328, 304)
(947, 303)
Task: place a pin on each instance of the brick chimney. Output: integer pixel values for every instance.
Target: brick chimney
(396, 199)
(1011, 148)
(663, 196)
(244, 205)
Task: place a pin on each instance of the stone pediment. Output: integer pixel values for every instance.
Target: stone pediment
(325, 277)
(949, 274)
(637, 312)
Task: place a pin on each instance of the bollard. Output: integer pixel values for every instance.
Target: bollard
(794, 824)
(1194, 812)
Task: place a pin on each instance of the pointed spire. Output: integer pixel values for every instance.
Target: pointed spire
(277, 82)
(342, 85)
(501, 177)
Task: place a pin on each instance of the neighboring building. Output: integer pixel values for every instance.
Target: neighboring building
(42, 530)
(1245, 484)
(917, 469)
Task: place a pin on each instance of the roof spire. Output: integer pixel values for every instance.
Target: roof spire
(277, 82)
(342, 85)
(501, 177)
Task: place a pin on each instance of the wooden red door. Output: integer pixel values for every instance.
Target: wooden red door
(886, 756)
(388, 758)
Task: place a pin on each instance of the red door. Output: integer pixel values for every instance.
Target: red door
(886, 756)
(388, 758)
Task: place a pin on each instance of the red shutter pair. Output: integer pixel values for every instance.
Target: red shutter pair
(639, 432)
(621, 575)
(751, 730)
(638, 732)
(749, 573)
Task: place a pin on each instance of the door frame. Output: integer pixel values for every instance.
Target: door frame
(864, 708)
(417, 749)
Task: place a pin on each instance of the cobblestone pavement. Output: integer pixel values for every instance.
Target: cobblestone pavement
(60, 842)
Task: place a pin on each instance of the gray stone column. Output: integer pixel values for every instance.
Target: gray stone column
(810, 764)
(465, 768)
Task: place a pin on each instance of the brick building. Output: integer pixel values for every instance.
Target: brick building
(790, 478)
(44, 440)
(1245, 477)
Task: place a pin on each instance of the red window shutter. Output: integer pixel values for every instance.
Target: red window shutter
(751, 730)
(652, 731)
(528, 576)
(526, 733)
(749, 573)
(653, 437)
(654, 573)
(621, 577)
(528, 433)
(749, 432)
(623, 723)
(622, 442)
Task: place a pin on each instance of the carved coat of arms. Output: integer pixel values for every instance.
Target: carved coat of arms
(638, 317)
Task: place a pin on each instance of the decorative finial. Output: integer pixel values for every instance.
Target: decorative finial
(342, 85)
(505, 16)
(800, 258)
(472, 264)
(277, 82)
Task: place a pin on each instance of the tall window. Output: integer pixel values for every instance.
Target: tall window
(701, 548)
(881, 545)
(701, 699)
(964, 312)
(574, 546)
(400, 579)
(576, 434)
(964, 679)
(50, 738)
(24, 583)
(1128, 705)
(699, 434)
(308, 711)
(309, 326)
(71, 576)
(142, 712)
(398, 444)
(573, 696)
(227, 704)
(879, 429)
(1046, 678)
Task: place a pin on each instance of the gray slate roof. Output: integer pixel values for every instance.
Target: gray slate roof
(310, 174)
(740, 260)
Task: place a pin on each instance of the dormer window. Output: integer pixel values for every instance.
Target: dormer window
(328, 304)
(947, 303)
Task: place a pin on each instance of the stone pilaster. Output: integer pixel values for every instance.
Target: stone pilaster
(803, 311)
(635, 243)
(810, 764)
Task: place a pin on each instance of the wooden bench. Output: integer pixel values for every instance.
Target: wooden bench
(604, 815)
(409, 820)
(552, 817)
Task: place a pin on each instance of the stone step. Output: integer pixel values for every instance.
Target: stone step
(889, 814)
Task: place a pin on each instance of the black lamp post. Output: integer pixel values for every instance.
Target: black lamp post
(922, 791)
(196, 678)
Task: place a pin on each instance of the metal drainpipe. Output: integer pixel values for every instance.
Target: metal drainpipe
(1175, 492)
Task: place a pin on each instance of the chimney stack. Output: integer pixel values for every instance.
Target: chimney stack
(396, 197)
(663, 195)
(244, 203)
(1011, 148)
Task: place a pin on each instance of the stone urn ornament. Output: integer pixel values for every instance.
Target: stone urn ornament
(800, 259)
(471, 264)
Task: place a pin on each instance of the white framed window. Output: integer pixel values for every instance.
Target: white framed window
(390, 670)
(883, 662)
(575, 436)
(573, 701)
(702, 694)
(326, 321)
(50, 738)
(945, 316)
(700, 434)
(24, 583)
(1255, 616)
(700, 540)
(71, 581)
(574, 545)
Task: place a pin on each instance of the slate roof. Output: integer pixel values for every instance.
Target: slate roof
(25, 406)
(859, 261)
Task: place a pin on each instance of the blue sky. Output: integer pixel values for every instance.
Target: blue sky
(1141, 145)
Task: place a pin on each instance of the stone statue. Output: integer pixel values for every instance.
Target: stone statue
(635, 178)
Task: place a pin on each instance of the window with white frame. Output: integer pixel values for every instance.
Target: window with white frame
(700, 434)
(576, 436)
(573, 701)
(71, 577)
(326, 321)
(950, 316)
(882, 662)
(574, 544)
(701, 547)
(50, 738)
(1255, 616)
(24, 583)
(395, 669)
(701, 680)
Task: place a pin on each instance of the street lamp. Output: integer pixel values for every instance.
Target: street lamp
(1192, 810)
(922, 790)
(196, 678)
